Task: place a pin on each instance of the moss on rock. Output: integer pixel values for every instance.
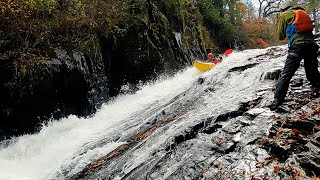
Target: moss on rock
(70, 57)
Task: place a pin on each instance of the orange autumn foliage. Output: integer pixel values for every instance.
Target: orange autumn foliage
(276, 169)
(255, 27)
(260, 43)
(260, 32)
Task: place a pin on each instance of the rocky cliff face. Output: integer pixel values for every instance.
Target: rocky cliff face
(61, 80)
(53, 88)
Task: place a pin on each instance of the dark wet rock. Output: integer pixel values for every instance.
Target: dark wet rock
(314, 146)
(310, 162)
(200, 80)
(317, 136)
(238, 165)
(210, 140)
(232, 127)
(293, 140)
(304, 126)
(297, 82)
(63, 79)
(249, 142)
(163, 112)
(7, 67)
(273, 52)
(256, 129)
(4, 44)
(277, 150)
(212, 129)
(283, 109)
(49, 89)
(209, 89)
(273, 74)
(222, 142)
(242, 68)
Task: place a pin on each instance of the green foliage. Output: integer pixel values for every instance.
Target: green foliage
(30, 7)
(232, 23)
(91, 47)
(42, 24)
(172, 6)
(39, 25)
(42, 6)
(221, 30)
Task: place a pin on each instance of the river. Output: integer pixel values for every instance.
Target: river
(64, 147)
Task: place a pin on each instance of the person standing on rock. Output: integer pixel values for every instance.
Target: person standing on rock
(295, 24)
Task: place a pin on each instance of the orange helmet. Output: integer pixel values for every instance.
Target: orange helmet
(210, 55)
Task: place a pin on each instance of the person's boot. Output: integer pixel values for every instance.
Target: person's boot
(275, 104)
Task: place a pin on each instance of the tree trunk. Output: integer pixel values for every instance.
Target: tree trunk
(260, 9)
(232, 11)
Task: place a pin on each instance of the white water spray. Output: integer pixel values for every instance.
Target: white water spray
(64, 147)
(36, 156)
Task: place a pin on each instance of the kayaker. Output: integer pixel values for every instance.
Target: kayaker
(209, 58)
(218, 59)
(297, 25)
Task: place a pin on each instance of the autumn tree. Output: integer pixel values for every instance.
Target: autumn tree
(247, 11)
(313, 7)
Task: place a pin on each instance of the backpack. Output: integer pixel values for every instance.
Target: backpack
(301, 24)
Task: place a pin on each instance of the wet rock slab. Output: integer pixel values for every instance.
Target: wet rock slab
(294, 142)
(250, 142)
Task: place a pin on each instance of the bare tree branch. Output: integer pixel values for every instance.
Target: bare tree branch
(267, 7)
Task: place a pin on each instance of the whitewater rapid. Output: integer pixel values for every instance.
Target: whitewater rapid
(36, 156)
(64, 147)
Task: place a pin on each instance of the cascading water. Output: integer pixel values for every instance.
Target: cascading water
(65, 147)
(36, 156)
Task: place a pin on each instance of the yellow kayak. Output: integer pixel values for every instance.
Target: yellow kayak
(203, 66)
